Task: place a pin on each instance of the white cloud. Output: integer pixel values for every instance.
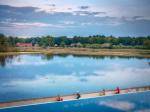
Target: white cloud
(86, 23)
(38, 80)
(37, 63)
(24, 25)
(113, 8)
(34, 24)
(67, 22)
(121, 105)
(42, 80)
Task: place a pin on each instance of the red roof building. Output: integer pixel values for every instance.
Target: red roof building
(24, 44)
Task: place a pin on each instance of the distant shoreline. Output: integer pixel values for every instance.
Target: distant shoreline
(82, 51)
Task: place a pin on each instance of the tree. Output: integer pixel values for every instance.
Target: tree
(62, 44)
(3, 43)
(50, 41)
(147, 44)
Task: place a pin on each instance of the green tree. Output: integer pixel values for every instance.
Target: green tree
(62, 44)
(3, 43)
(50, 41)
(147, 44)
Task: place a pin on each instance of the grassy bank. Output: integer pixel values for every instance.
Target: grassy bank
(83, 51)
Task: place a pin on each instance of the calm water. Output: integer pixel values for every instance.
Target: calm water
(137, 102)
(31, 76)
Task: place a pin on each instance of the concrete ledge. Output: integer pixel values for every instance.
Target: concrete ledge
(70, 97)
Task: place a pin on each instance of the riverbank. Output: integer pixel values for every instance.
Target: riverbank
(72, 97)
(83, 51)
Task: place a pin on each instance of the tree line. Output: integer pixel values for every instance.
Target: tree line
(95, 41)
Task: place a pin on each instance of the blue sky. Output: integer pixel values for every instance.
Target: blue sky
(75, 17)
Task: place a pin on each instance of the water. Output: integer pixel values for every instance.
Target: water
(135, 102)
(32, 76)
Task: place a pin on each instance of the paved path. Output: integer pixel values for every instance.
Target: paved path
(71, 97)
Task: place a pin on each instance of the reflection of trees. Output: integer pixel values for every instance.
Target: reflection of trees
(149, 63)
(6, 59)
(130, 57)
(50, 56)
(111, 57)
(63, 55)
(47, 57)
(89, 56)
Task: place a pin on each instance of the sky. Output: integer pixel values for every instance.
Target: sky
(27, 18)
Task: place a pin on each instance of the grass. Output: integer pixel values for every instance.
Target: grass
(83, 51)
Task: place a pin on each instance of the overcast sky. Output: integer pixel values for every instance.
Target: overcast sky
(75, 17)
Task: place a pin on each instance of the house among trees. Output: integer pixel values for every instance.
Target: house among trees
(76, 44)
(106, 45)
(24, 44)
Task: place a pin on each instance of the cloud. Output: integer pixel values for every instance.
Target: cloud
(69, 8)
(34, 24)
(38, 80)
(28, 25)
(42, 16)
(25, 25)
(84, 7)
(86, 23)
(87, 13)
(120, 105)
(83, 80)
(67, 22)
(93, 79)
(52, 5)
(6, 9)
(35, 16)
(143, 110)
(16, 13)
(24, 63)
(42, 80)
(140, 18)
(137, 17)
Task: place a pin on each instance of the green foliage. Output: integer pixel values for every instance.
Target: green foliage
(95, 41)
(3, 43)
(147, 44)
(62, 44)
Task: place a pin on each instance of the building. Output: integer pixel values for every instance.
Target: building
(76, 44)
(24, 44)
